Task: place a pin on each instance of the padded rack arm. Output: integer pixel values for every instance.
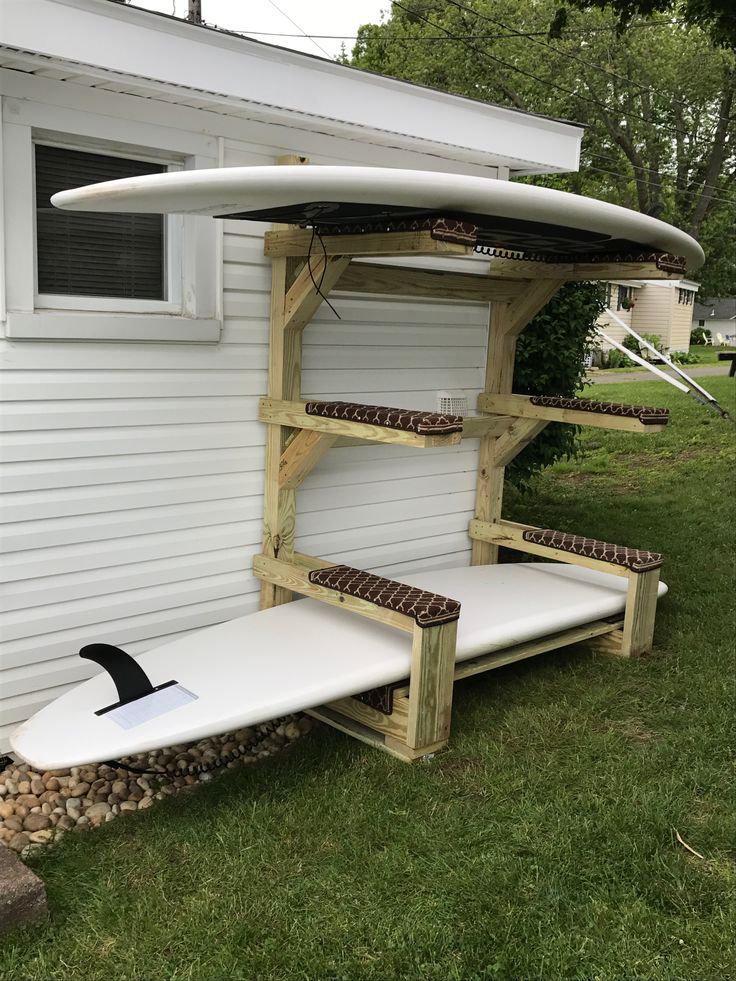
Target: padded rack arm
(294, 414)
(429, 618)
(639, 566)
(580, 412)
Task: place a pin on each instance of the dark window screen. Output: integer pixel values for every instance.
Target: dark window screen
(85, 254)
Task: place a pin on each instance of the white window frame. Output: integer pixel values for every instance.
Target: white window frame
(191, 311)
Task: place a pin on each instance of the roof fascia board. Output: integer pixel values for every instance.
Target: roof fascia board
(159, 48)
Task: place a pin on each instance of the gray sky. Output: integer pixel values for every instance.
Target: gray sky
(332, 17)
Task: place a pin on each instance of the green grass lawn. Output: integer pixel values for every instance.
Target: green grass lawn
(541, 846)
(705, 354)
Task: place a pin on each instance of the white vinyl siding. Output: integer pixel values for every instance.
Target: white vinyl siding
(133, 473)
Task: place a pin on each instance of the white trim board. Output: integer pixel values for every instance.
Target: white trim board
(280, 85)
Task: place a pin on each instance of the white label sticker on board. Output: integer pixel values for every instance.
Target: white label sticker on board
(151, 706)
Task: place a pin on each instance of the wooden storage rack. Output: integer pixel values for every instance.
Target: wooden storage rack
(516, 291)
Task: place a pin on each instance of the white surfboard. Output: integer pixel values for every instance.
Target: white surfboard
(520, 217)
(302, 655)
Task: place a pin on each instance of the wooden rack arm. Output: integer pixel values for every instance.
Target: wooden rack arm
(365, 277)
(284, 413)
(575, 271)
(298, 242)
(295, 577)
(319, 275)
(641, 596)
(511, 535)
(522, 407)
(301, 456)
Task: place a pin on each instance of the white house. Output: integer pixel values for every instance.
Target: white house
(651, 306)
(133, 457)
(717, 316)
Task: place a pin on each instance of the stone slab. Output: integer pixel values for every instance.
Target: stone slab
(22, 894)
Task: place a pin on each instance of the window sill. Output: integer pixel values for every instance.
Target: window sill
(52, 326)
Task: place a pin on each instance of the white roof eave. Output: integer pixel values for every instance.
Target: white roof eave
(284, 86)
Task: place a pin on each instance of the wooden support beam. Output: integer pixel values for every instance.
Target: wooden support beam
(295, 578)
(301, 456)
(430, 684)
(393, 725)
(384, 741)
(284, 382)
(364, 277)
(511, 535)
(518, 436)
(575, 271)
(506, 322)
(519, 405)
(476, 427)
(316, 278)
(641, 610)
(609, 644)
(299, 242)
(286, 413)
(527, 306)
(519, 652)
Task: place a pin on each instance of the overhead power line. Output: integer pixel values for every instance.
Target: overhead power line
(614, 110)
(303, 33)
(639, 180)
(534, 38)
(522, 71)
(651, 170)
(443, 37)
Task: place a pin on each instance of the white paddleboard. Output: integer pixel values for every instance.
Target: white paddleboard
(538, 221)
(301, 655)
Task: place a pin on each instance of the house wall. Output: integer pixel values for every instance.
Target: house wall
(134, 471)
(610, 326)
(727, 328)
(653, 312)
(682, 324)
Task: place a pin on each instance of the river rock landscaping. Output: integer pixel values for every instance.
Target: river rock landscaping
(36, 808)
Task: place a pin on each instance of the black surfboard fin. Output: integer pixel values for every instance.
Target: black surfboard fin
(130, 679)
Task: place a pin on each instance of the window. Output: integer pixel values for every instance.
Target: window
(624, 299)
(86, 254)
(103, 277)
(701, 323)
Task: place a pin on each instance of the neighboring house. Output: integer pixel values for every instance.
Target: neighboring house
(651, 306)
(131, 374)
(718, 316)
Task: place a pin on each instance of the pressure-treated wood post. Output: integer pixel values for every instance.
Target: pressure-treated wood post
(430, 684)
(641, 610)
(505, 323)
(284, 382)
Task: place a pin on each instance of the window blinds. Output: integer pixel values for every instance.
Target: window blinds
(84, 254)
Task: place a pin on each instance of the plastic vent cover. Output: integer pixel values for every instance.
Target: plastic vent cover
(453, 402)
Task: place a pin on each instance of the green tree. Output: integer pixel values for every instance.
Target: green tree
(658, 100)
(717, 17)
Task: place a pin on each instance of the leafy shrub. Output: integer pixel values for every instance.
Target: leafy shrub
(699, 335)
(683, 357)
(550, 361)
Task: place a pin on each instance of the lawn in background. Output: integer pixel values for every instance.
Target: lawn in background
(542, 845)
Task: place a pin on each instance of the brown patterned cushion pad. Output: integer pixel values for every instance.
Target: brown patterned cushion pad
(381, 699)
(407, 420)
(648, 415)
(427, 609)
(636, 559)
